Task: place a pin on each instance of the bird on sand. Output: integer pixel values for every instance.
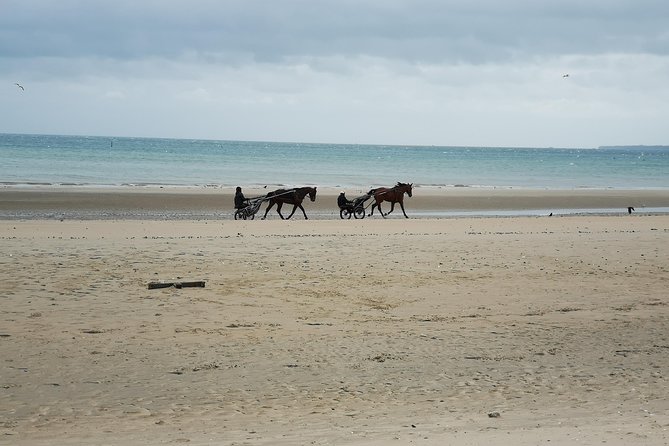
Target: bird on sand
(565, 75)
(20, 86)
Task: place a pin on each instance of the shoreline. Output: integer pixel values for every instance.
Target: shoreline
(79, 202)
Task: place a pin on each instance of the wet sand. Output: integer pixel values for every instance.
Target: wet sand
(216, 203)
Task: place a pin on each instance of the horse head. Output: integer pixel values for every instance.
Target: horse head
(405, 187)
(312, 194)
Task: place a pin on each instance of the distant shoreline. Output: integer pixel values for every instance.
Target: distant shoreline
(179, 203)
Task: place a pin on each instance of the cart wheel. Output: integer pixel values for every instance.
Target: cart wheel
(359, 212)
(345, 213)
(251, 217)
(238, 215)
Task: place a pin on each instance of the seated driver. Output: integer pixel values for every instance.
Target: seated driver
(240, 200)
(342, 201)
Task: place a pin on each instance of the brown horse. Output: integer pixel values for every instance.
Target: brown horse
(394, 195)
(290, 196)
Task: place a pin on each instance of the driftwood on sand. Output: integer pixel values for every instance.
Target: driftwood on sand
(193, 284)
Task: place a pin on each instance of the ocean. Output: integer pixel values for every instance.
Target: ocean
(116, 161)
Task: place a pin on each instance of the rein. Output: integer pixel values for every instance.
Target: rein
(264, 197)
(289, 191)
(388, 190)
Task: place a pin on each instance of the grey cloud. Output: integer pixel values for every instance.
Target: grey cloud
(424, 30)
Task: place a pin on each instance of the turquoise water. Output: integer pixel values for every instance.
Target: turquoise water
(81, 160)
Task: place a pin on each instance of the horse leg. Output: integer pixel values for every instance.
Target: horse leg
(278, 209)
(377, 204)
(382, 214)
(303, 211)
(402, 206)
(392, 207)
(271, 203)
(292, 212)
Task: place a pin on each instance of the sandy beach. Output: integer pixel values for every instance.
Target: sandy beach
(517, 330)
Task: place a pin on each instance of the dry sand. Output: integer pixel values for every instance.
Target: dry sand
(325, 331)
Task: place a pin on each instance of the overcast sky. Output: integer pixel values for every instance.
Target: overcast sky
(442, 72)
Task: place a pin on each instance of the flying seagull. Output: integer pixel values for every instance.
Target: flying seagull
(20, 86)
(565, 75)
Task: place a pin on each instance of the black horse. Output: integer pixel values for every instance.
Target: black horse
(394, 195)
(289, 196)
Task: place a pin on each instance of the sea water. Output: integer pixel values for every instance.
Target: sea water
(101, 161)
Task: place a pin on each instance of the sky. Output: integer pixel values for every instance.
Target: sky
(520, 73)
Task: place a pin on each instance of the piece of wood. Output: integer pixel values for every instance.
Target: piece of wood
(154, 285)
(193, 284)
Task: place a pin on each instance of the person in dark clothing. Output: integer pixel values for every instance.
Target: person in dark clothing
(342, 201)
(240, 200)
